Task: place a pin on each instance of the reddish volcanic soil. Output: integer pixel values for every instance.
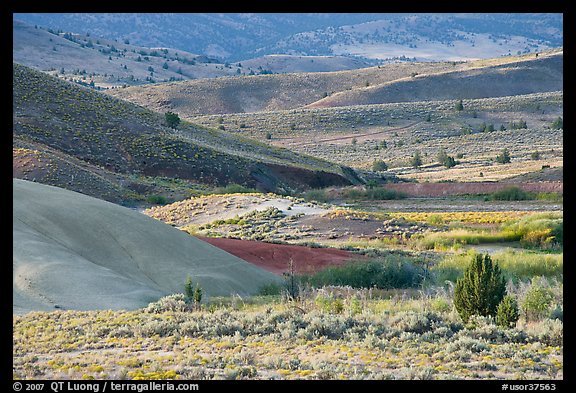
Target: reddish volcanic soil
(276, 257)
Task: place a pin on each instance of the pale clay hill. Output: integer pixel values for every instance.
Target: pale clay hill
(71, 251)
(521, 74)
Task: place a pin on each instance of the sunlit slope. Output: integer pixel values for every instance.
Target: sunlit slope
(539, 74)
(77, 252)
(395, 82)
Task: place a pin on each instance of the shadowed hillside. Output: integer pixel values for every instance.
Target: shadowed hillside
(123, 138)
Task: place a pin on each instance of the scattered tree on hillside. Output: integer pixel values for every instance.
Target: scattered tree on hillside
(558, 124)
(172, 119)
(445, 159)
(379, 166)
(459, 106)
(503, 158)
(516, 126)
(416, 160)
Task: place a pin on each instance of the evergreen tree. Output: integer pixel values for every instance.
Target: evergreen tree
(189, 289)
(503, 158)
(507, 312)
(172, 119)
(416, 160)
(379, 166)
(481, 289)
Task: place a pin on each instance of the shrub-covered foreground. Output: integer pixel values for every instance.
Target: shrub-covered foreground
(330, 333)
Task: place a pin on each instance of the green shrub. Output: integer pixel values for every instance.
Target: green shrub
(234, 188)
(392, 272)
(445, 159)
(374, 194)
(537, 301)
(415, 160)
(329, 304)
(480, 290)
(512, 193)
(272, 289)
(157, 199)
(558, 124)
(193, 293)
(379, 166)
(503, 158)
(507, 312)
(317, 195)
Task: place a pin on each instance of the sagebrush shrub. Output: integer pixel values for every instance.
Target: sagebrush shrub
(537, 301)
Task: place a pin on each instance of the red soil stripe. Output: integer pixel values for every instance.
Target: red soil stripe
(276, 257)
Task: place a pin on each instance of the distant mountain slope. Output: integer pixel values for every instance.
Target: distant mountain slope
(291, 91)
(239, 36)
(72, 251)
(106, 63)
(541, 74)
(123, 138)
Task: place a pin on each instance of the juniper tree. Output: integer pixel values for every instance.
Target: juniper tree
(172, 119)
(480, 290)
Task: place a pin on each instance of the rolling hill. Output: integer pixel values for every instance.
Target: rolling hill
(71, 251)
(121, 138)
(394, 82)
(534, 75)
(357, 135)
(108, 64)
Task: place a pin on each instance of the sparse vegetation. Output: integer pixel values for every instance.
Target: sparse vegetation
(398, 333)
